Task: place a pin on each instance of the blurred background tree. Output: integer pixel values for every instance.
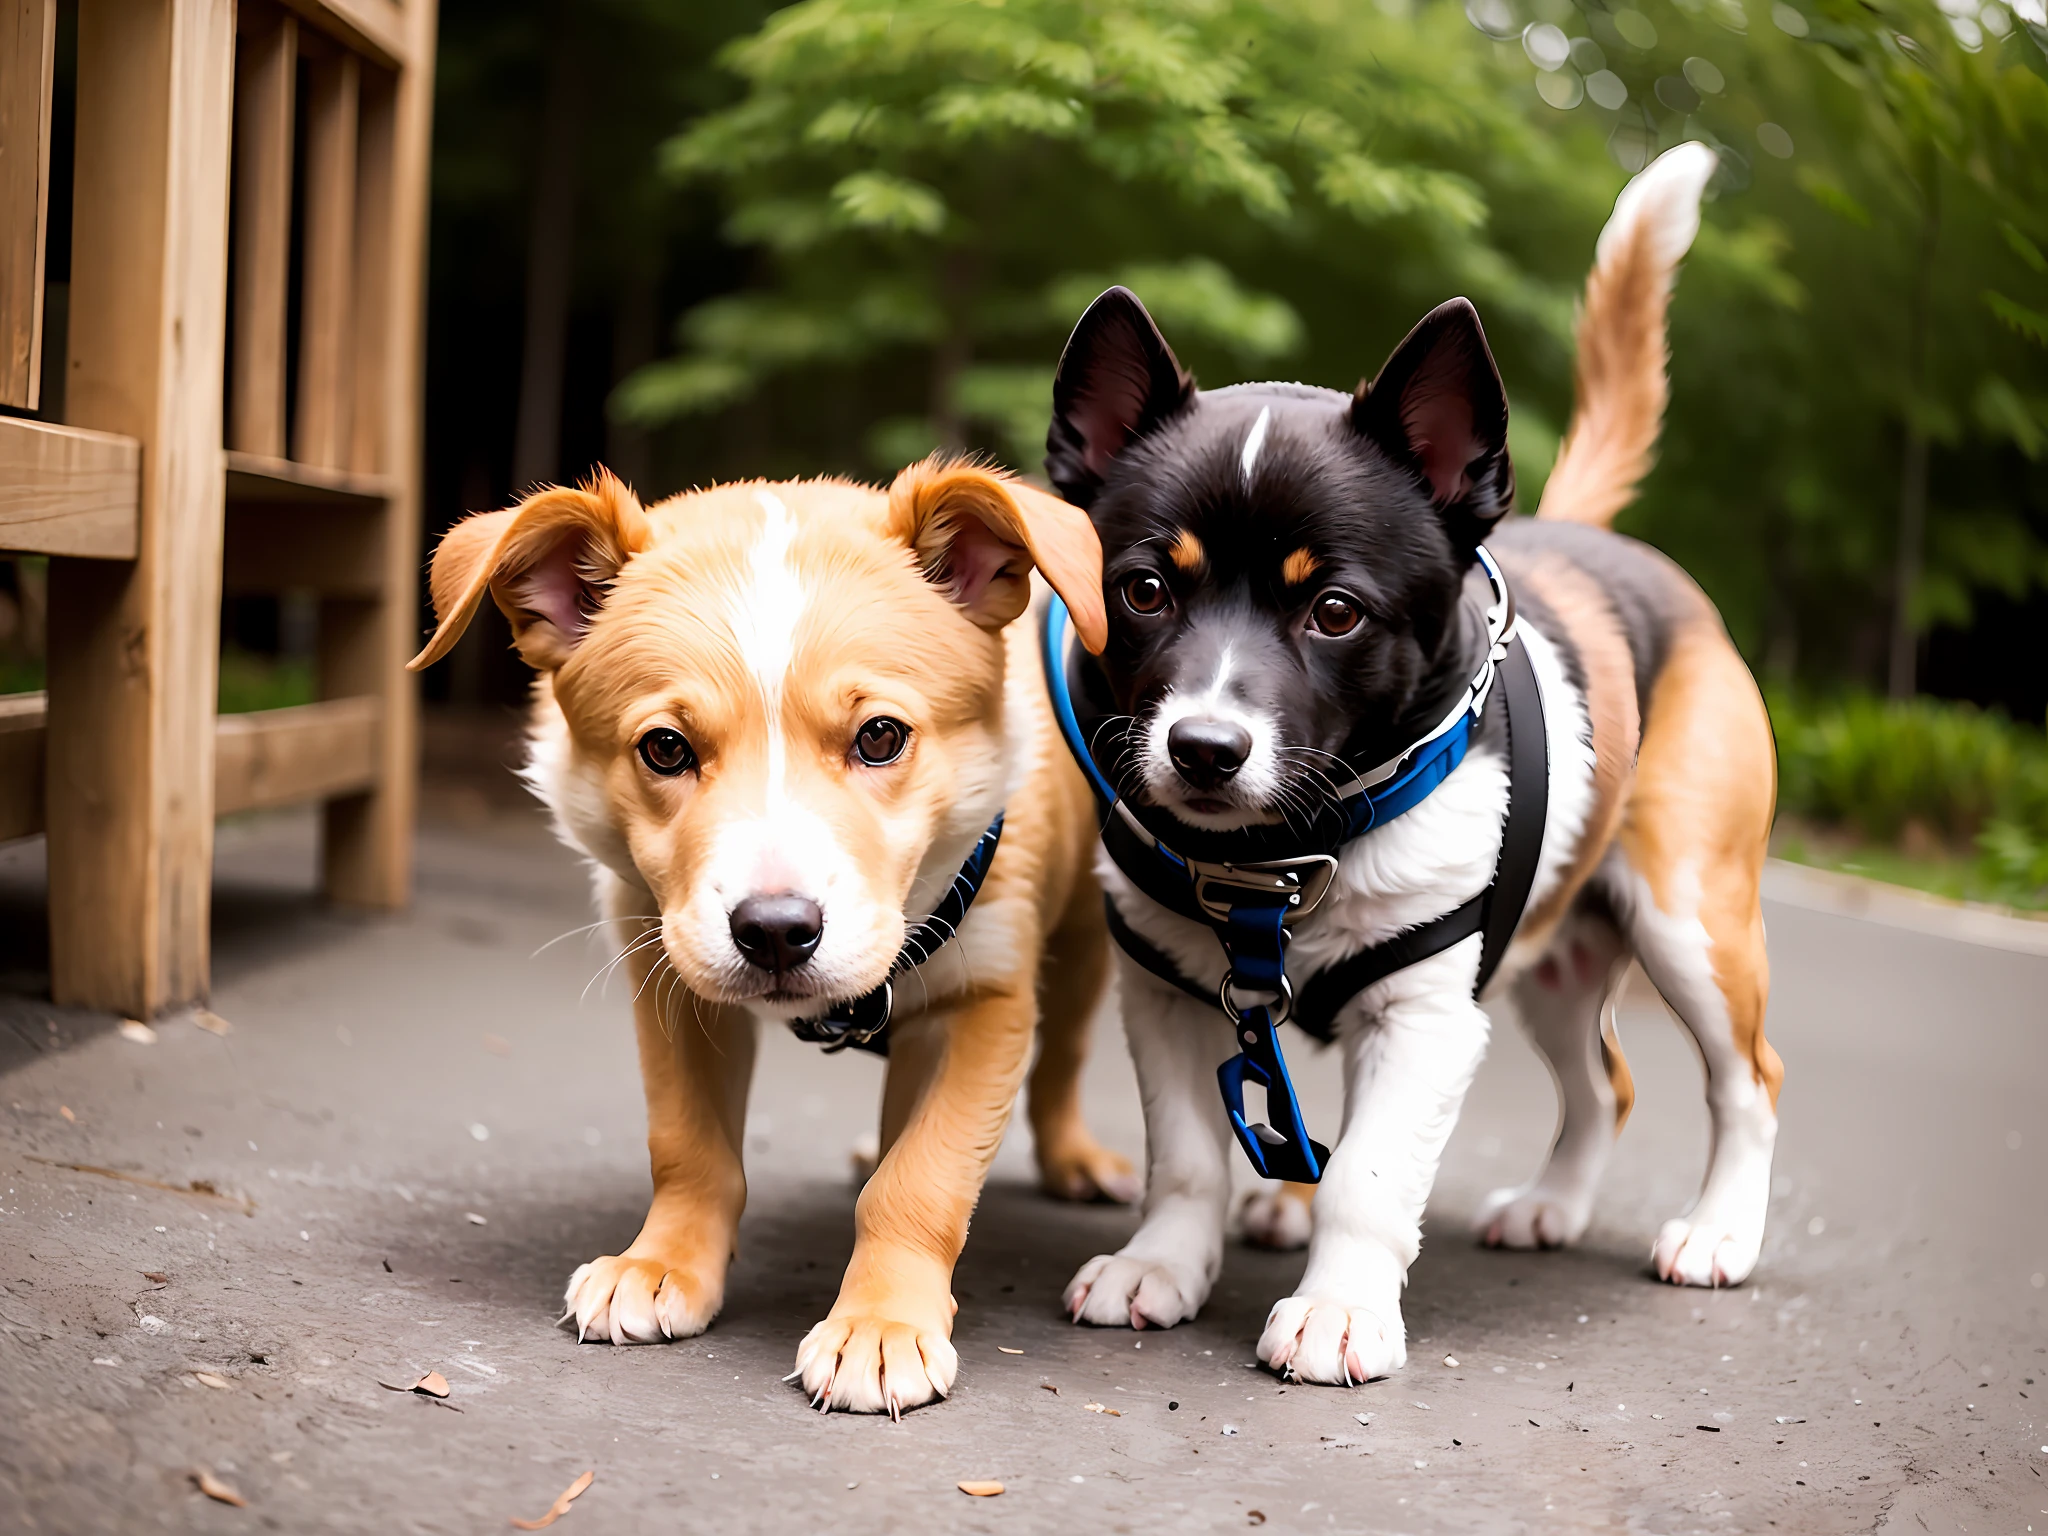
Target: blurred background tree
(706, 238)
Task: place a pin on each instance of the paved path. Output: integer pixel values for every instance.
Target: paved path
(385, 1079)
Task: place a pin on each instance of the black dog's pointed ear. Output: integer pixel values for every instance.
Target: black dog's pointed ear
(1118, 380)
(1438, 408)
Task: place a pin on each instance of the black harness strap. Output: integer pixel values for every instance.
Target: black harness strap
(1495, 911)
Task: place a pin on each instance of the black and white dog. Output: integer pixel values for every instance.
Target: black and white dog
(1292, 592)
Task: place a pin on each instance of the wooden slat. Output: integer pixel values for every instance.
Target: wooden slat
(287, 756)
(321, 428)
(281, 482)
(266, 82)
(21, 765)
(269, 758)
(366, 852)
(338, 552)
(134, 646)
(376, 147)
(377, 29)
(28, 53)
(67, 491)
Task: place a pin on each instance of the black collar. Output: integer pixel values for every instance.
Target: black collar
(863, 1023)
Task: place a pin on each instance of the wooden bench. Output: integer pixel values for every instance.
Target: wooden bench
(188, 465)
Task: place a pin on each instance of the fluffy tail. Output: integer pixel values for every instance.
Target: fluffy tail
(1622, 353)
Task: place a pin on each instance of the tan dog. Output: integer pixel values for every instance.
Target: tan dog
(777, 718)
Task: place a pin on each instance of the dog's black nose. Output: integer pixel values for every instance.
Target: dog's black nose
(1206, 752)
(777, 933)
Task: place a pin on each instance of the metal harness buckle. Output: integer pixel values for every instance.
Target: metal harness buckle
(1301, 881)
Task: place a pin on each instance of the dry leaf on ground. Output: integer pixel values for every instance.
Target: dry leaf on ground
(139, 1032)
(433, 1384)
(210, 1021)
(214, 1488)
(561, 1505)
(157, 1275)
(208, 1379)
(987, 1490)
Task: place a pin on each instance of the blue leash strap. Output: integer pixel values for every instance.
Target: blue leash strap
(1280, 1147)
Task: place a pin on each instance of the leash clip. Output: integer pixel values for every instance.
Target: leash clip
(1278, 1012)
(1300, 883)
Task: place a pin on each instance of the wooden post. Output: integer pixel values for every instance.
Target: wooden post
(28, 53)
(367, 846)
(321, 431)
(134, 646)
(266, 81)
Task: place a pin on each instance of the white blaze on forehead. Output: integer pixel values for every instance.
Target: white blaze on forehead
(763, 615)
(1254, 441)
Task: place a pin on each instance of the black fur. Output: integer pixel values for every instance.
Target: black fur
(1388, 490)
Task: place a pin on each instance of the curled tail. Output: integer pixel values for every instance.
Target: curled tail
(1620, 379)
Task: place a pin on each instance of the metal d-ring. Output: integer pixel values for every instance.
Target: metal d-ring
(1278, 1013)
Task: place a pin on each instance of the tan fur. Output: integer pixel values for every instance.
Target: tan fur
(1620, 383)
(909, 599)
(1187, 552)
(1619, 1078)
(1590, 623)
(1705, 787)
(1298, 567)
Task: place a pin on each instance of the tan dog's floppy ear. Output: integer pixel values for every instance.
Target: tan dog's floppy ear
(977, 532)
(547, 562)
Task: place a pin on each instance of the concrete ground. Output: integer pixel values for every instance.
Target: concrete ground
(417, 1126)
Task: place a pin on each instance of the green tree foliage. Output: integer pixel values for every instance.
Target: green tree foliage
(932, 189)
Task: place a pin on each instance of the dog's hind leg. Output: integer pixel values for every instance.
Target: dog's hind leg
(1280, 1216)
(1687, 891)
(1566, 1003)
(1072, 1164)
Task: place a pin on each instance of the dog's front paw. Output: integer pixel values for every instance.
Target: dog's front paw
(637, 1301)
(1318, 1338)
(1081, 1168)
(868, 1364)
(1533, 1217)
(1112, 1291)
(1699, 1250)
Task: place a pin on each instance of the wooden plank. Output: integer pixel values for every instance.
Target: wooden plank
(287, 756)
(266, 86)
(321, 427)
(67, 491)
(376, 146)
(335, 553)
(21, 765)
(271, 757)
(367, 847)
(28, 56)
(285, 482)
(134, 647)
(376, 29)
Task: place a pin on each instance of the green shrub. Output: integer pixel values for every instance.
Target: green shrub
(1965, 774)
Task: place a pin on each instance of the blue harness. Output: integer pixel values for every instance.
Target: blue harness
(1249, 886)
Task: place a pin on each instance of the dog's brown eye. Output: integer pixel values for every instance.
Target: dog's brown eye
(1144, 594)
(881, 741)
(667, 752)
(1335, 614)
